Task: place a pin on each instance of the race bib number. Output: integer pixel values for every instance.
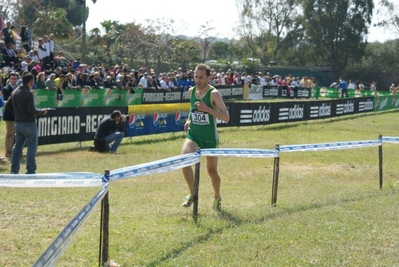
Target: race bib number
(200, 118)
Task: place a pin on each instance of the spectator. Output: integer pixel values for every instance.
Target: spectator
(7, 34)
(26, 64)
(51, 46)
(12, 56)
(50, 82)
(110, 131)
(351, 85)
(9, 116)
(79, 82)
(144, 80)
(344, 88)
(76, 64)
(41, 52)
(40, 82)
(120, 82)
(361, 86)
(392, 88)
(24, 38)
(21, 104)
(108, 83)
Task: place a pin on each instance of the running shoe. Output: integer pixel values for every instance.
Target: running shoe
(189, 201)
(217, 204)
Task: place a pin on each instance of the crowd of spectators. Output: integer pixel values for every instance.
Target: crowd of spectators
(372, 86)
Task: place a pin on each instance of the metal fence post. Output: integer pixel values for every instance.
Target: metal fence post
(380, 162)
(196, 189)
(276, 171)
(104, 227)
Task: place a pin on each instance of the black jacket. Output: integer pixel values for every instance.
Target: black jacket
(108, 126)
(7, 90)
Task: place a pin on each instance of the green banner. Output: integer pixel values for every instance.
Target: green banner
(336, 92)
(87, 98)
(386, 102)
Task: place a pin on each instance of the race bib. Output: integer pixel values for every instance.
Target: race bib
(200, 118)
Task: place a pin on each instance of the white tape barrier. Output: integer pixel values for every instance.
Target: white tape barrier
(390, 139)
(330, 146)
(68, 179)
(158, 166)
(239, 152)
(61, 243)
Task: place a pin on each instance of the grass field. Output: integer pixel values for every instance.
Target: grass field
(330, 211)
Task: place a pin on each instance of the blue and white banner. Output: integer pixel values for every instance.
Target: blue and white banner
(158, 166)
(330, 146)
(390, 139)
(61, 243)
(68, 179)
(239, 152)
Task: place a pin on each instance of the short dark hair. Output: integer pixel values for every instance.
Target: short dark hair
(115, 114)
(204, 67)
(27, 78)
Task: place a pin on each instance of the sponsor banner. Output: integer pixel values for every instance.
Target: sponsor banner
(152, 119)
(79, 124)
(247, 114)
(231, 91)
(320, 110)
(282, 92)
(86, 98)
(178, 96)
(395, 101)
(383, 103)
(71, 124)
(255, 92)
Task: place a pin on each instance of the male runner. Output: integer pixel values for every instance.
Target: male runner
(206, 104)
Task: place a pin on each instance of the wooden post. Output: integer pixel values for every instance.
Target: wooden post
(196, 189)
(105, 223)
(276, 171)
(380, 161)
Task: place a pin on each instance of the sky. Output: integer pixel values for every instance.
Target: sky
(189, 15)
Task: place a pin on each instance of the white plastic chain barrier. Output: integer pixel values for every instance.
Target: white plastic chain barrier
(390, 139)
(61, 243)
(330, 146)
(67, 179)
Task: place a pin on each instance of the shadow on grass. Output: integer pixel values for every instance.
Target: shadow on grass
(197, 240)
(312, 206)
(172, 137)
(233, 221)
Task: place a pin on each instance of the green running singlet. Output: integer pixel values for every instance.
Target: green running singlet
(202, 128)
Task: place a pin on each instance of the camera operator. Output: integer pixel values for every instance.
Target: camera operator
(111, 129)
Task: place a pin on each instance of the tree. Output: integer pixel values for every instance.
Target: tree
(388, 15)
(337, 29)
(265, 24)
(184, 51)
(27, 11)
(53, 21)
(205, 39)
(158, 34)
(130, 45)
(220, 50)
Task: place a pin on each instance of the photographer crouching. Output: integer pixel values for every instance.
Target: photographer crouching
(110, 132)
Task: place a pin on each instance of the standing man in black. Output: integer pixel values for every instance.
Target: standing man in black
(8, 116)
(21, 103)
